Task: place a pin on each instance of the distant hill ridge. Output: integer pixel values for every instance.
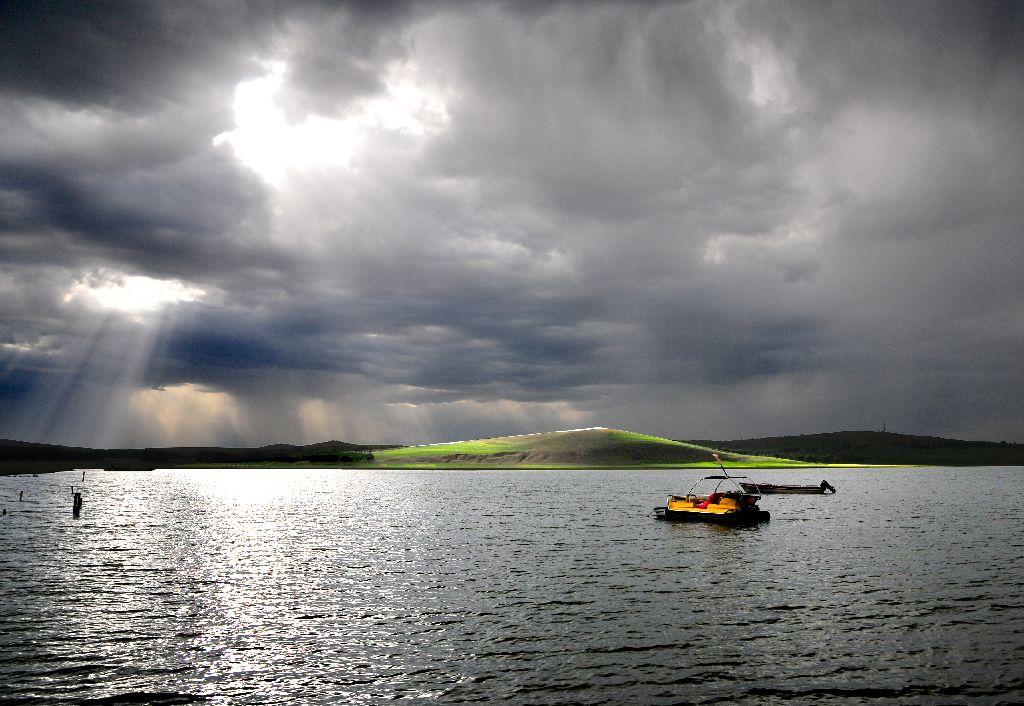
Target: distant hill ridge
(879, 447)
(22, 456)
(593, 447)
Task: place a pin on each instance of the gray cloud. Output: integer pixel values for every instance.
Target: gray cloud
(126, 56)
(691, 219)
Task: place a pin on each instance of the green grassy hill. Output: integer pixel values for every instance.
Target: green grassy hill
(581, 448)
(877, 447)
(587, 448)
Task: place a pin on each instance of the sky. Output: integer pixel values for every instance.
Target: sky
(243, 223)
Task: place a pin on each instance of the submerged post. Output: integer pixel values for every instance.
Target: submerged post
(76, 502)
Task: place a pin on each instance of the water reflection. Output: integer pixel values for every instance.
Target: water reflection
(524, 587)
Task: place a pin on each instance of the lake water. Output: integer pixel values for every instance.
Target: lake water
(521, 587)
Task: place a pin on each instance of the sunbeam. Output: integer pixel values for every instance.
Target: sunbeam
(98, 363)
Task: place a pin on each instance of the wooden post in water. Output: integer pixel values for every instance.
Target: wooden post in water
(76, 502)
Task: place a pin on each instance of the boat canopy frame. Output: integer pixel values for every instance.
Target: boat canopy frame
(721, 479)
(726, 477)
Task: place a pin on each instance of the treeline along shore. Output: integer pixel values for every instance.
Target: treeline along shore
(879, 448)
(586, 448)
(25, 457)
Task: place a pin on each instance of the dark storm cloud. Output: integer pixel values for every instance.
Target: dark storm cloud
(124, 55)
(335, 57)
(693, 219)
(135, 218)
(455, 348)
(875, 52)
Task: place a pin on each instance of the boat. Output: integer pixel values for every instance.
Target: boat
(777, 489)
(716, 498)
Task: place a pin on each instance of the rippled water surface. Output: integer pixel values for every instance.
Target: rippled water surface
(525, 587)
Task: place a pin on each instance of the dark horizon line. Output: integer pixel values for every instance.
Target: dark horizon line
(354, 446)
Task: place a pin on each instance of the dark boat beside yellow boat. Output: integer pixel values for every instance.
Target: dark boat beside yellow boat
(777, 489)
(718, 498)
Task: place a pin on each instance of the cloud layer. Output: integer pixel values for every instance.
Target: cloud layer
(243, 223)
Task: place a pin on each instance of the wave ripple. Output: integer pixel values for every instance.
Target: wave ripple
(525, 587)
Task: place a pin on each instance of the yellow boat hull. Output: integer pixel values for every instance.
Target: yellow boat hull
(727, 510)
